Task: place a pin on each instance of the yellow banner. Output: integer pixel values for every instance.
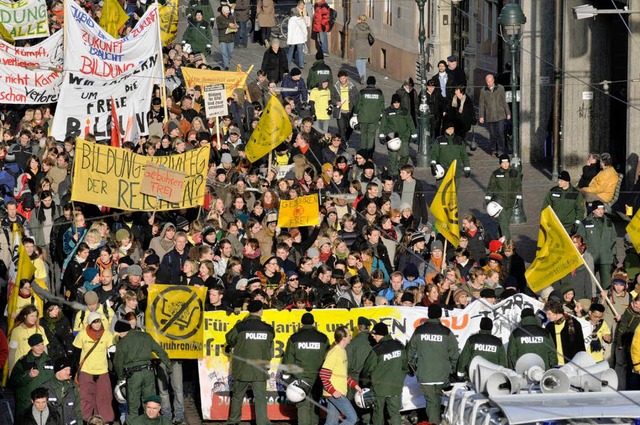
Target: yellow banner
(556, 256)
(299, 212)
(445, 207)
(112, 177)
(205, 77)
(168, 21)
(174, 319)
(4, 34)
(113, 17)
(633, 229)
(273, 128)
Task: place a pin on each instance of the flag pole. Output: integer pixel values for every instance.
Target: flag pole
(163, 86)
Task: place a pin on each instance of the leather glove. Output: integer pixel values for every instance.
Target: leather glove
(382, 138)
(467, 172)
(487, 199)
(433, 169)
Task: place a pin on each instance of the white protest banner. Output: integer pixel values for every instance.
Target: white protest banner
(30, 74)
(25, 18)
(102, 67)
(283, 170)
(215, 100)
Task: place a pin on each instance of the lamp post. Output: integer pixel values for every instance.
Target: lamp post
(424, 130)
(511, 20)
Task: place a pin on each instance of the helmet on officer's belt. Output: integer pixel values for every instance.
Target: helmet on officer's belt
(353, 122)
(298, 390)
(120, 392)
(439, 172)
(365, 399)
(494, 209)
(393, 142)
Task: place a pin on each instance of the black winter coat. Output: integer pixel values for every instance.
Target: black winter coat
(275, 64)
(59, 334)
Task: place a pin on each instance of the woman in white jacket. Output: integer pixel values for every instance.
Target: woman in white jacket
(297, 34)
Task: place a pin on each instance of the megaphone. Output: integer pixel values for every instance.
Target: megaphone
(493, 379)
(531, 367)
(595, 378)
(605, 381)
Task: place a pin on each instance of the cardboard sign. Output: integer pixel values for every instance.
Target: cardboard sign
(299, 212)
(162, 182)
(215, 101)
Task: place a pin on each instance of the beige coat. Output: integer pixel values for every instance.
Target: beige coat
(266, 14)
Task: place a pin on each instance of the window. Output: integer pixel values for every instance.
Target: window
(371, 12)
(383, 58)
(388, 13)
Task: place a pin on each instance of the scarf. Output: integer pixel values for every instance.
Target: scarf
(102, 266)
(255, 254)
(42, 210)
(93, 334)
(124, 249)
(40, 417)
(51, 322)
(325, 256)
(341, 255)
(454, 102)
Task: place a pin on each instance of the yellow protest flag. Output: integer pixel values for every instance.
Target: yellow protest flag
(299, 212)
(174, 319)
(273, 128)
(205, 77)
(113, 17)
(556, 255)
(168, 21)
(444, 207)
(4, 34)
(633, 229)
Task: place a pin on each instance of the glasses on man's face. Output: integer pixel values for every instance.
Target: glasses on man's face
(264, 185)
(293, 279)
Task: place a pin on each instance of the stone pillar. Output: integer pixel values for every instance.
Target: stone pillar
(633, 88)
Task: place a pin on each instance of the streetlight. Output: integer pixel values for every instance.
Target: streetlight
(511, 20)
(424, 130)
(587, 11)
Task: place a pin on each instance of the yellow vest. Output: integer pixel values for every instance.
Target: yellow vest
(96, 363)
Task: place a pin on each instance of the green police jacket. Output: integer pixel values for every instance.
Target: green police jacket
(530, 337)
(567, 204)
(65, 398)
(357, 352)
(600, 237)
(506, 184)
(433, 352)
(137, 349)
(448, 148)
(481, 344)
(397, 121)
(23, 383)
(307, 349)
(387, 367)
(251, 340)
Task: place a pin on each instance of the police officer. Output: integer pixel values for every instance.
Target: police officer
(505, 183)
(450, 147)
(251, 342)
(151, 415)
(482, 344)
(433, 355)
(567, 202)
(319, 71)
(387, 368)
(599, 234)
(358, 351)
(306, 348)
(63, 393)
(369, 110)
(530, 337)
(397, 120)
(132, 361)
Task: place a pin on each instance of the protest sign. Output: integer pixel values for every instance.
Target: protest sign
(299, 212)
(113, 17)
(112, 177)
(102, 67)
(162, 183)
(25, 18)
(204, 77)
(174, 319)
(272, 129)
(633, 229)
(283, 170)
(215, 101)
(402, 321)
(30, 74)
(168, 21)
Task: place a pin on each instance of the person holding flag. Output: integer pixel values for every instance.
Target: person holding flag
(599, 233)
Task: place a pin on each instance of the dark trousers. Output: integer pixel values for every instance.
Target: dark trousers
(504, 220)
(344, 128)
(496, 136)
(433, 397)
(239, 389)
(392, 405)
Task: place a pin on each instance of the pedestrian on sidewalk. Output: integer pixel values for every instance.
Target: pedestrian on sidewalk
(297, 34)
(361, 47)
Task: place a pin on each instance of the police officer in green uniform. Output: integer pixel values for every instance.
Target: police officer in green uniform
(358, 351)
(531, 337)
(387, 368)
(132, 361)
(251, 342)
(433, 355)
(63, 393)
(567, 202)
(151, 415)
(599, 234)
(369, 109)
(396, 119)
(307, 348)
(482, 344)
(30, 372)
(506, 184)
(449, 147)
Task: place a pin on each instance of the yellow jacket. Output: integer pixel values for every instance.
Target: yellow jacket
(635, 350)
(96, 363)
(82, 317)
(604, 184)
(18, 344)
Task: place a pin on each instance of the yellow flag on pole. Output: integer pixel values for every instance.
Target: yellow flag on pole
(633, 229)
(113, 17)
(444, 207)
(4, 34)
(274, 126)
(168, 21)
(556, 255)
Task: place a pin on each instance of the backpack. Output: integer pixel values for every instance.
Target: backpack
(333, 17)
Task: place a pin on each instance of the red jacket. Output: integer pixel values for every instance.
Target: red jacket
(321, 16)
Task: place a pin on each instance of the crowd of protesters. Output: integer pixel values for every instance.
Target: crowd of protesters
(374, 244)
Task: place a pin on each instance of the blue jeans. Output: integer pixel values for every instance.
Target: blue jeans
(361, 66)
(227, 50)
(299, 53)
(323, 41)
(178, 391)
(336, 406)
(241, 35)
